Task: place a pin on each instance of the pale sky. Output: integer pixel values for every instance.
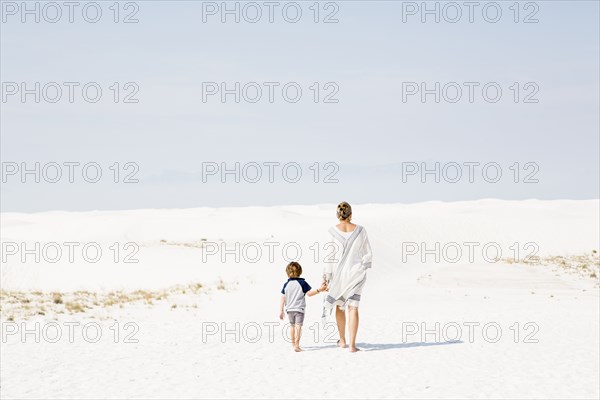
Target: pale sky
(370, 135)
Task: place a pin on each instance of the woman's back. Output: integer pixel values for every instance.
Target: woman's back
(346, 227)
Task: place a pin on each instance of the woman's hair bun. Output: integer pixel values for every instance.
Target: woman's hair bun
(344, 210)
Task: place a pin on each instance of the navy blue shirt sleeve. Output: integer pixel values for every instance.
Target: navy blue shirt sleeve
(283, 289)
(305, 286)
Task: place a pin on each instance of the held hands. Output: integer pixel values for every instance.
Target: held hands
(324, 287)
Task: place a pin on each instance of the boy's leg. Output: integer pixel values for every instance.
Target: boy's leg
(340, 317)
(353, 326)
(293, 334)
(298, 334)
(291, 315)
(299, 321)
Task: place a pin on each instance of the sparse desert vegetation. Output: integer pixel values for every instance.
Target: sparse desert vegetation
(586, 265)
(23, 305)
(195, 244)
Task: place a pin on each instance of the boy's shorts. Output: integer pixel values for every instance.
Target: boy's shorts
(296, 317)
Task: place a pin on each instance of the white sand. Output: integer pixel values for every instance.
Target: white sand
(171, 360)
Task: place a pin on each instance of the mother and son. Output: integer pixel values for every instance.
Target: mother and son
(343, 281)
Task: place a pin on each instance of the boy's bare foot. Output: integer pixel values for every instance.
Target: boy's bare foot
(354, 349)
(297, 349)
(341, 344)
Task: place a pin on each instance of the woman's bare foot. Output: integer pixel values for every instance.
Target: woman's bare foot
(341, 343)
(354, 349)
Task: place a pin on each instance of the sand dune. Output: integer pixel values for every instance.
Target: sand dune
(516, 328)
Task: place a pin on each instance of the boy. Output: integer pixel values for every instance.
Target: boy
(294, 291)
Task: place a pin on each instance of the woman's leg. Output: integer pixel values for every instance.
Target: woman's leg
(340, 317)
(353, 326)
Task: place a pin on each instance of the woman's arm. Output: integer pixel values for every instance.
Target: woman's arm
(367, 256)
(329, 260)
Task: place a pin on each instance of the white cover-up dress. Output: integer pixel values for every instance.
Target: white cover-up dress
(346, 268)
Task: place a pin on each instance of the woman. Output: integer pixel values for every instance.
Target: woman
(346, 273)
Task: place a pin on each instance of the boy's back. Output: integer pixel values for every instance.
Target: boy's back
(294, 291)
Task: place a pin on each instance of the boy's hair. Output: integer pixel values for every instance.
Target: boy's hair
(293, 270)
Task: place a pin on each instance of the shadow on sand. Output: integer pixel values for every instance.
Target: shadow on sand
(386, 346)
